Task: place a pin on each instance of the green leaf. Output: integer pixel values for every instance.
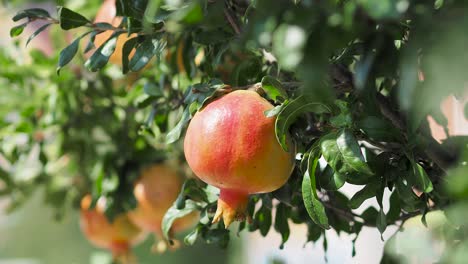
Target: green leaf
(190, 14)
(365, 193)
(90, 46)
(102, 54)
(410, 201)
(342, 153)
(37, 32)
(219, 236)
(262, 219)
(383, 9)
(370, 215)
(144, 53)
(67, 54)
(127, 48)
(330, 180)
(31, 13)
(173, 214)
(191, 238)
(190, 189)
(377, 128)
(274, 89)
(281, 222)
(152, 89)
(312, 203)
(212, 193)
(351, 152)
(290, 112)
(381, 221)
(274, 111)
(175, 133)
(69, 19)
(394, 212)
(313, 232)
(419, 178)
(457, 182)
(17, 30)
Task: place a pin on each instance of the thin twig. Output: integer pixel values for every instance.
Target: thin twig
(231, 21)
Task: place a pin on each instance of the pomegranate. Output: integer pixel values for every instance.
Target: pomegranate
(117, 236)
(107, 13)
(231, 145)
(156, 190)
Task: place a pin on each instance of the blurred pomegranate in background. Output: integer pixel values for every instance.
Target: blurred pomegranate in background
(117, 236)
(156, 190)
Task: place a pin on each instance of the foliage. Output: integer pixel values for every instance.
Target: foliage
(353, 82)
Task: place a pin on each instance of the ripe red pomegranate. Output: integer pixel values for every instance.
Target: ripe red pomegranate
(231, 144)
(117, 236)
(156, 190)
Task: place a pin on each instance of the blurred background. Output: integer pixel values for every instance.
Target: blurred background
(31, 235)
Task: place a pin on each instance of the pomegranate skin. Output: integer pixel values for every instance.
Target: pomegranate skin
(156, 190)
(231, 144)
(117, 236)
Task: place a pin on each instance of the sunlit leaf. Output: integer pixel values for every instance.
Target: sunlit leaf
(173, 214)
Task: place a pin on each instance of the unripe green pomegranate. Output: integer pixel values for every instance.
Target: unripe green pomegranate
(231, 144)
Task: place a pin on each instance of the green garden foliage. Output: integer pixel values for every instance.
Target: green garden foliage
(352, 80)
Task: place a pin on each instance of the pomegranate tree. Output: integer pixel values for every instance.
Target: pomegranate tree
(231, 144)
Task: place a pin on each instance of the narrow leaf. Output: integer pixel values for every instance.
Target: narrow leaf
(31, 13)
(101, 56)
(377, 128)
(281, 223)
(395, 209)
(37, 32)
(274, 111)
(143, 54)
(420, 179)
(90, 46)
(175, 133)
(365, 193)
(313, 205)
(274, 89)
(127, 48)
(70, 19)
(152, 89)
(349, 149)
(67, 54)
(331, 180)
(173, 214)
(291, 112)
(17, 30)
(192, 237)
(262, 219)
(381, 222)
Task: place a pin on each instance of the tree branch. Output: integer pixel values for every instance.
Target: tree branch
(230, 18)
(342, 82)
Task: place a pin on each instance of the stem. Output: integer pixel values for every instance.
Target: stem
(231, 20)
